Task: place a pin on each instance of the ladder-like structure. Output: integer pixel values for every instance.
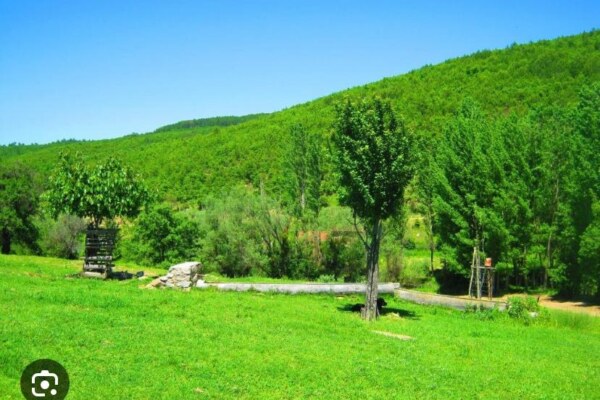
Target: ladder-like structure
(482, 277)
(99, 246)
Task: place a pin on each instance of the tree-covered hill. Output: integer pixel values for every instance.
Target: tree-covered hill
(207, 122)
(188, 160)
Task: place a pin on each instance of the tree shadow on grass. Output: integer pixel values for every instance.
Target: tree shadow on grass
(384, 311)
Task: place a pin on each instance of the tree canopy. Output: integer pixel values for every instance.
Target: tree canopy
(99, 193)
(18, 204)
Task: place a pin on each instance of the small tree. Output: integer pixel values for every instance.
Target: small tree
(18, 203)
(375, 165)
(99, 194)
(305, 165)
(62, 238)
(162, 236)
(425, 189)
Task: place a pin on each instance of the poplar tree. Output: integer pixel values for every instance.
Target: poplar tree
(375, 164)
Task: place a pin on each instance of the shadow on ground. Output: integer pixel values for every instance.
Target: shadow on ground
(355, 308)
(125, 275)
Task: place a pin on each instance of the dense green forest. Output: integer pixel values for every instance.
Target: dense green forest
(189, 163)
(508, 144)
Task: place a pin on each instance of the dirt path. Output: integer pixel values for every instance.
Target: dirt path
(564, 305)
(574, 306)
(556, 304)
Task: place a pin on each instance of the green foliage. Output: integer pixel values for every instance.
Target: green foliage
(208, 122)
(162, 237)
(527, 191)
(304, 163)
(231, 241)
(188, 164)
(483, 314)
(520, 188)
(374, 159)
(107, 191)
(375, 163)
(343, 257)
(19, 199)
(247, 233)
(470, 197)
(63, 237)
(589, 254)
(525, 309)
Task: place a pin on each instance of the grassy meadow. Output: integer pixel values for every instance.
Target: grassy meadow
(118, 341)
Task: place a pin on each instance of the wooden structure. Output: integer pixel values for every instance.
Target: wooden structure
(482, 277)
(99, 246)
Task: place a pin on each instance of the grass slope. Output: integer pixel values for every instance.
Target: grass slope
(119, 341)
(185, 164)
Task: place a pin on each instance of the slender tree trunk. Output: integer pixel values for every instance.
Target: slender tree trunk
(431, 239)
(5, 241)
(370, 311)
(549, 249)
(302, 199)
(431, 254)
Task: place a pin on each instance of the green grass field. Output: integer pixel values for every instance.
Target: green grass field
(118, 341)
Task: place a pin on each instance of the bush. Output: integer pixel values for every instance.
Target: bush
(343, 256)
(245, 233)
(409, 244)
(64, 237)
(163, 237)
(482, 313)
(327, 279)
(525, 309)
(304, 261)
(231, 239)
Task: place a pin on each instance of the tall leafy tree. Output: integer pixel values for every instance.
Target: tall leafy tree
(305, 166)
(425, 183)
(100, 194)
(466, 189)
(584, 189)
(552, 160)
(375, 162)
(589, 255)
(19, 198)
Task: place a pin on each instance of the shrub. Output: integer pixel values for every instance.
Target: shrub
(409, 244)
(163, 237)
(343, 256)
(525, 309)
(231, 241)
(327, 279)
(63, 237)
(482, 313)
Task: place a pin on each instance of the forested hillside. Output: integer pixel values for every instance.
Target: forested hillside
(188, 160)
(504, 146)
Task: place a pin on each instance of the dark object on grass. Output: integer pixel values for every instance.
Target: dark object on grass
(121, 275)
(380, 304)
(139, 274)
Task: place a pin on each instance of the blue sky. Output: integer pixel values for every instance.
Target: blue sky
(101, 69)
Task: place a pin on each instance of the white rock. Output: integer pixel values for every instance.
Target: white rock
(184, 275)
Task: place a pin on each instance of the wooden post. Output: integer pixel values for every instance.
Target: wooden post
(472, 274)
(478, 272)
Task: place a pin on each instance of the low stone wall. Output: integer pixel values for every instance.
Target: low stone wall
(447, 301)
(293, 288)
